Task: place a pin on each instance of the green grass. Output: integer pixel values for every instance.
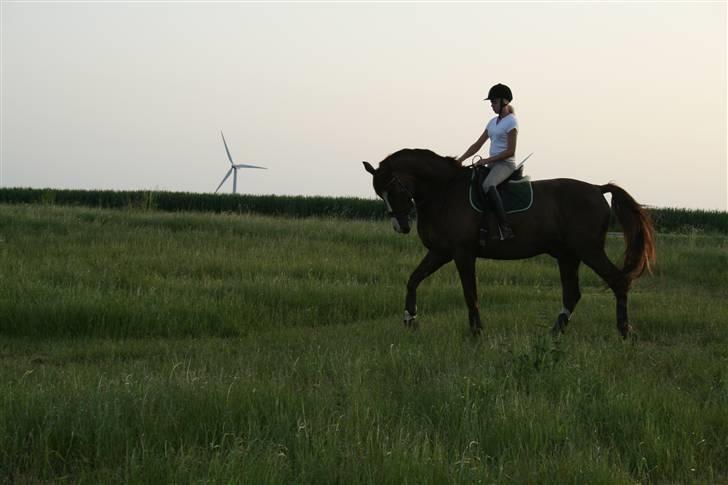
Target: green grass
(151, 347)
(667, 219)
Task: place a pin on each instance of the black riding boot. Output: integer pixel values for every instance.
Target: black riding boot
(488, 228)
(496, 205)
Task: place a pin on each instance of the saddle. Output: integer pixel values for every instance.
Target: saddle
(516, 191)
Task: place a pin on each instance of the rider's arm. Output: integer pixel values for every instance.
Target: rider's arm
(474, 147)
(509, 152)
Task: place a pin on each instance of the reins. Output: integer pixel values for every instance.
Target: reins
(445, 187)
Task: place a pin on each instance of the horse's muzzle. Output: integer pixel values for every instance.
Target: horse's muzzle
(402, 225)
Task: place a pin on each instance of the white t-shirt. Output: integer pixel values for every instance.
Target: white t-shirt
(498, 134)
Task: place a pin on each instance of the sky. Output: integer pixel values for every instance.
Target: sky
(133, 95)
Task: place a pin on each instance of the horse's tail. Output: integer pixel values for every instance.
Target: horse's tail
(639, 233)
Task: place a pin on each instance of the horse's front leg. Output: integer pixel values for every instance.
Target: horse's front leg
(429, 264)
(465, 262)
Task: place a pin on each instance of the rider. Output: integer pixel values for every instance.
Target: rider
(503, 132)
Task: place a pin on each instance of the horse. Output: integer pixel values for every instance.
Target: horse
(567, 220)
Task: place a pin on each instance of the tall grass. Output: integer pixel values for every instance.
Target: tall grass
(149, 347)
(292, 206)
(665, 219)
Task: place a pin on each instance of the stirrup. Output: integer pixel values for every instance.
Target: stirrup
(506, 233)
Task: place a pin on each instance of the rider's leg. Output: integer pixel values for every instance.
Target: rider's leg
(496, 205)
(499, 172)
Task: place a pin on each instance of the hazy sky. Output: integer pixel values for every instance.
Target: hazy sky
(129, 95)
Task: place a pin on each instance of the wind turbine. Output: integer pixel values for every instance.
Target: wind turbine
(233, 169)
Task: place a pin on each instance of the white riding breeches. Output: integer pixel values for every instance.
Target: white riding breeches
(499, 172)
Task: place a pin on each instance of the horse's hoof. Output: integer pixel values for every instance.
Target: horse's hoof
(625, 329)
(410, 320)
(560, 325)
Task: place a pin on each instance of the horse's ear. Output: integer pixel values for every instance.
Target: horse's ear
(369, 168)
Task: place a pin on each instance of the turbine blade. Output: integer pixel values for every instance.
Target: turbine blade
(224, 179)
(242, 165)
(226, 148)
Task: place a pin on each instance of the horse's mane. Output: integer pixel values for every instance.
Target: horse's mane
(422, 161)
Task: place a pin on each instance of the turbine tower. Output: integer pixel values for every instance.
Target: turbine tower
(233, 169)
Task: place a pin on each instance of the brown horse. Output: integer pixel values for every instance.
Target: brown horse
(568, 220)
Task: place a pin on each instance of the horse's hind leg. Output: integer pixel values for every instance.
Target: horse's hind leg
(569, 269)
(617, 281)
(429, 264)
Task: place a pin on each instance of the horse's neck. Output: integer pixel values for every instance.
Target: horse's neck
(439, 186)
(430, 172)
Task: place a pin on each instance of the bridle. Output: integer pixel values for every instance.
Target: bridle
(410, 196)
(396, 180)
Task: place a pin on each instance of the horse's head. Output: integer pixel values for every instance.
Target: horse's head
(396, 194)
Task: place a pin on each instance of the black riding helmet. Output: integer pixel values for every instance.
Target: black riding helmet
(500, 91)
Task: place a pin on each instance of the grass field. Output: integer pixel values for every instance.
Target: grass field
(150, 347)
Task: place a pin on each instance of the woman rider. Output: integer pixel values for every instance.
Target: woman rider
(503, 132)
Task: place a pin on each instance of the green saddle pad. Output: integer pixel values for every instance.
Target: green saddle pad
(517, 195)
